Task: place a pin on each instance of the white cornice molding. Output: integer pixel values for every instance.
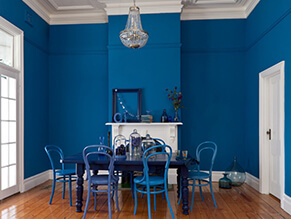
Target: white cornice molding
(194, 12)
(39, 9)
(235, 12)
(78, 18)
(155, 7)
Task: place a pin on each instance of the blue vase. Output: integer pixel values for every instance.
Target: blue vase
(225, 182)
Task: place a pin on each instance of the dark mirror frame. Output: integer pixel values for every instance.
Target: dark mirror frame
(114, 102)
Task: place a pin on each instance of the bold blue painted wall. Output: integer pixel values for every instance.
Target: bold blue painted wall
(35, 84)
(212, 85)
(152, 68)
(268, 43)
(78, 84)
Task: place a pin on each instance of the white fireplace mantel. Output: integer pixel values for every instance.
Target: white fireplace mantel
(166, 131)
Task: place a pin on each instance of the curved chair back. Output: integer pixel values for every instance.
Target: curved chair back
(204, 146)
(53, 149)
(98, 152)
(163, 151)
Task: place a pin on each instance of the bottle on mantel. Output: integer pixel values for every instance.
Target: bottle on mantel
(164, 117)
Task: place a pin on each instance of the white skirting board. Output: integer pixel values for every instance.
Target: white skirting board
(36, 180)
(286, 204)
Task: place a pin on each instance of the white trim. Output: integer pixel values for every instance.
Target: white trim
(39, 9)
(264, 154)
(286, 204)
(53, 14)
(252, 181)
(36, 180)
(18, 71)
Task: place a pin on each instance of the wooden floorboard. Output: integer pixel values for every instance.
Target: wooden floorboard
(238, 202)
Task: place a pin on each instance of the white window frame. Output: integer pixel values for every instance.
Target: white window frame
(17, 69)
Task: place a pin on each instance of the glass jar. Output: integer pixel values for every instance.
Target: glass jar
(236, 173)
(147, 143)
(134, 143)
(225, 182)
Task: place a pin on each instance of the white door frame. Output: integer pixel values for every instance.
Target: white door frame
(264, 184)
(18, 68)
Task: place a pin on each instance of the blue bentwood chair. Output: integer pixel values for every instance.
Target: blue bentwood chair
(60, 175)
(100, 152)
(151, 181)
(204, 176)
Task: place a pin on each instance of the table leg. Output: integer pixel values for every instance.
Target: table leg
(178, 182)
(185, 191)
(79, 188)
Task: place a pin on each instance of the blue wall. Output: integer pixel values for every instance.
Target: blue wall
(152, 68)
(78, 85)
(268, 43)
(213, 86)
(36, 90)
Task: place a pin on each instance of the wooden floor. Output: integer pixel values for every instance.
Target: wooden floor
(238, 202)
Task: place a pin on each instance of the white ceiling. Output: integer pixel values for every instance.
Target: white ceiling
(97, 11)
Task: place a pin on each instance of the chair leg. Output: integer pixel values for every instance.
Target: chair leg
(149, 201)
(116, 195)
(53, 191)
(70, 190)
(135, 199)
(155, 199)
(143, 190)
(169, 204)
(64, 187)
(210, 184)
(87, 202)
(193, 192)
(95, 201)
(109, 201)
(200, 188)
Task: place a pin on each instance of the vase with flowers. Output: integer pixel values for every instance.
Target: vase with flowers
(176, 98)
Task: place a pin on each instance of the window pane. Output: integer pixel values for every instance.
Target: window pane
(12, 110)
(4, 132)
(4, 155)
(12, 132)
(12, 175)
(6, 48)
(4, 178)
(12, 154)
(12, 88)
(4, 86)
(4, 109)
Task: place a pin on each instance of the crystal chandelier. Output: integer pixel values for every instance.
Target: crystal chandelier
(133, 36)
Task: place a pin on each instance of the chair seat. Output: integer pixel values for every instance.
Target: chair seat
(102, 179)
(65, 172)
(198, 175)
(153, 180)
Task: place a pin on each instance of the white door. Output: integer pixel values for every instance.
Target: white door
(273, 135)
(272, 126)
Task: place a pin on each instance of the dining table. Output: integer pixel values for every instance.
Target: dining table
(131, 163)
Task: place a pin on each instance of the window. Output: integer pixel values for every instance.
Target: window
(11, 109)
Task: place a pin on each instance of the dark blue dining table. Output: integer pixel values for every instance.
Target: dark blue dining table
(130, 164)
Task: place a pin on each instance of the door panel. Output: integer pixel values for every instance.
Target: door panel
(274, 120)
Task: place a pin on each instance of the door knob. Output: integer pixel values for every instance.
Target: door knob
(269, 132)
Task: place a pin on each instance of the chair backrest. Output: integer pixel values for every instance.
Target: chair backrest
(164, 150)
(96, 152)
(206, 146)
(50, 151)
